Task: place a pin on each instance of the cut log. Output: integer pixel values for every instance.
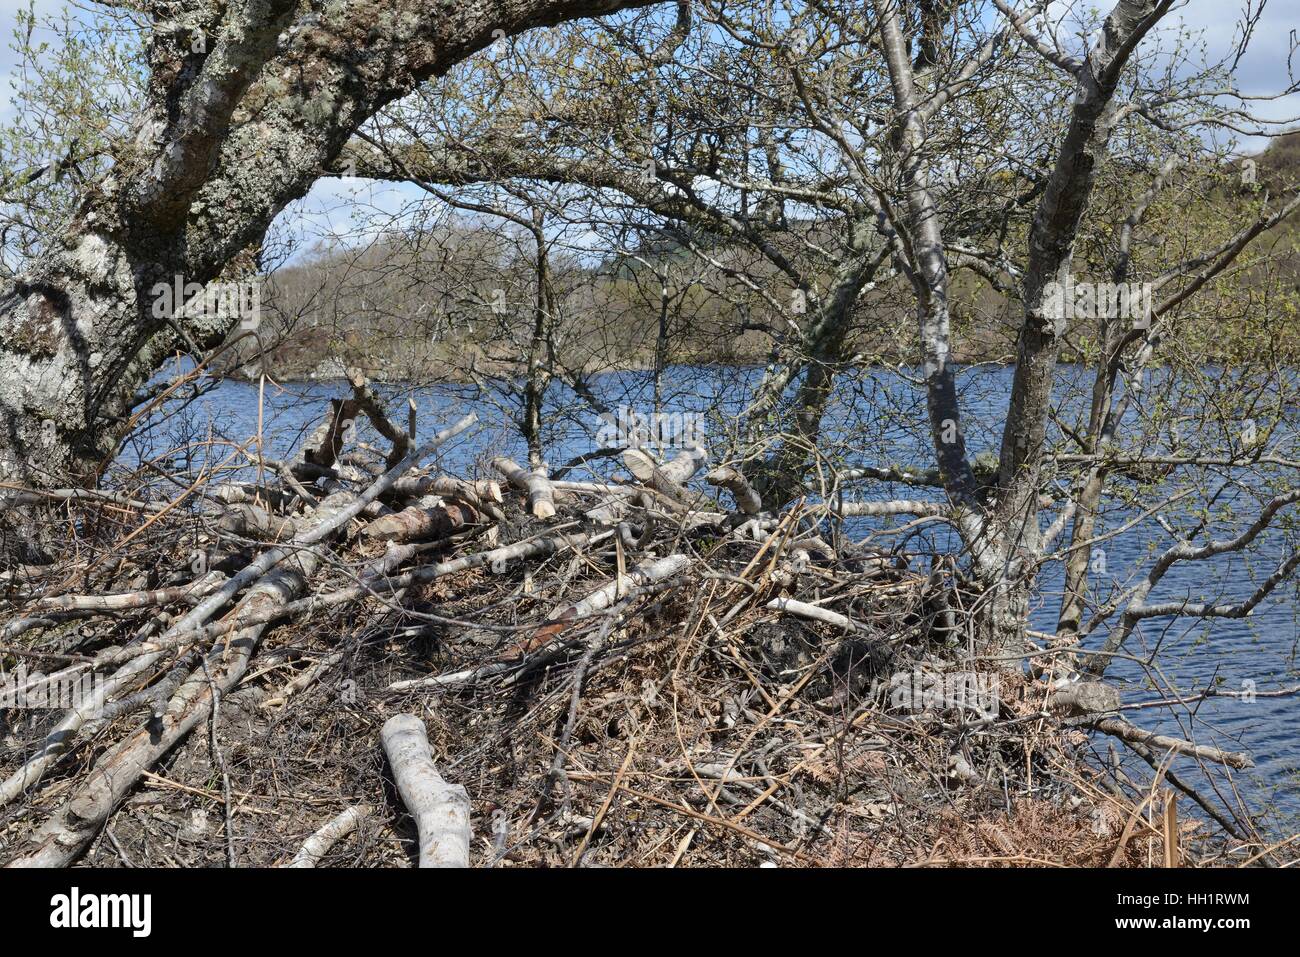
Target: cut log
(420, 524)
(484, 497)
(541, 494)
(236, 493)
(441, 810)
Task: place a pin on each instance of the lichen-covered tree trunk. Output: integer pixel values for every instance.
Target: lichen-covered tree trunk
(72, 346)
(247, 103)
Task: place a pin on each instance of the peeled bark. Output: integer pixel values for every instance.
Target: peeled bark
(441, 810)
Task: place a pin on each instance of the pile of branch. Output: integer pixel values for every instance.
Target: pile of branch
(758, 693)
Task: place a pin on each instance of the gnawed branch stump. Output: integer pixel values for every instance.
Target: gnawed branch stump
(541, 495)
(441, 810)
(747, 499)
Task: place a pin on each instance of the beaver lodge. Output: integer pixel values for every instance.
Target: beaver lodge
(351, 658)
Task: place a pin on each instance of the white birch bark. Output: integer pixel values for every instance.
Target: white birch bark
(441, 810)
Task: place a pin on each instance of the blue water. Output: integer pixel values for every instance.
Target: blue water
(879, 418)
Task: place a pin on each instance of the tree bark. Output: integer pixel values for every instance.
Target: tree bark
(441, 810)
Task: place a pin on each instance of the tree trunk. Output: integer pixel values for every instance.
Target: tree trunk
(778, 476)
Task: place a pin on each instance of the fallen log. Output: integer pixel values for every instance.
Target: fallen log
(334, 830)
(414, 486)
(418, 523)
(483, 496)
(441, 810)
(236, 493)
